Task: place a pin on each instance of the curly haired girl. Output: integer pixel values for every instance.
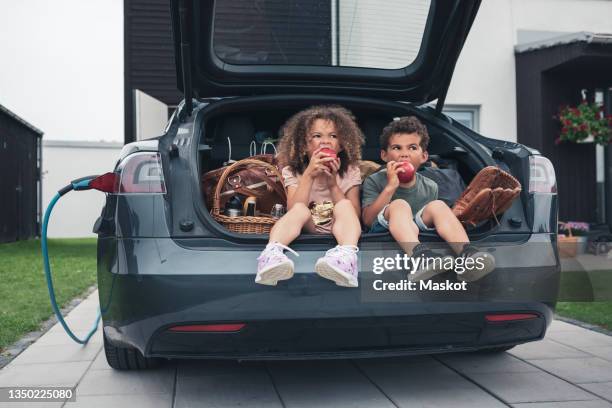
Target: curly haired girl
(322, 194)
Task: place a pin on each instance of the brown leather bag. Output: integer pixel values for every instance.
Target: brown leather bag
(256, 181)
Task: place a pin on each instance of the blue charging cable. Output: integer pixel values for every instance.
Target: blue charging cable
(76, 185)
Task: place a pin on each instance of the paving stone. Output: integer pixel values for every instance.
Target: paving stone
(603, 389)
(56, 374)
(473, 363)
(587, 338)
(122, 401)
(57, 337)
(561, 326)
(199, 368)
(227, 390)
(57, 354)
(426, 384)
(41, 404)
(546, 349)
(100, 363)
(604, 352)
(325, 384)
(583, 370)
(566, 404)
(530, 387)
(111, 382)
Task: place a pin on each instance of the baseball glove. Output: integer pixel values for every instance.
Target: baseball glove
(489, 194)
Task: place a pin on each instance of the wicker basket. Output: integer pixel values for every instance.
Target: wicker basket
(243, 224)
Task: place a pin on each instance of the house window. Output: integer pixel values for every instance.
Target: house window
(467, 115)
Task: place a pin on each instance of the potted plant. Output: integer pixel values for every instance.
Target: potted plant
(573, 238)
(584, 123)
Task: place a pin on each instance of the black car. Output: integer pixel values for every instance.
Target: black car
(174, 283)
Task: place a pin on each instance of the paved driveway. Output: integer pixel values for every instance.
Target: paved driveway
(572, 367)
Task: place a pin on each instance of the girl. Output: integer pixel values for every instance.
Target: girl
(322, 194)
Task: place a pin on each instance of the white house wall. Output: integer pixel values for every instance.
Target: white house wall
(75, 214)
(485, 73)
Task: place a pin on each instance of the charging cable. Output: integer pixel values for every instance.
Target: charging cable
(81, 184)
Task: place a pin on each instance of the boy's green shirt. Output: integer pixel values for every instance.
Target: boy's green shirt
(424, 191)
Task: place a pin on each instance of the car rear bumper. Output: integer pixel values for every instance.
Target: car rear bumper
(306, 317)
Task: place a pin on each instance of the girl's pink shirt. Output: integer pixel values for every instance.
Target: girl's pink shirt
(320, 192)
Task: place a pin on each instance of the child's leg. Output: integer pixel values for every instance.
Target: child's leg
(401, 225)
(289, 226)
(272, 264)
(340, 263)
(346, 228)
(438, 215)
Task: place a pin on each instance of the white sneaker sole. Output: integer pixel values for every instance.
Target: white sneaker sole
(271, 276)
(324, 270)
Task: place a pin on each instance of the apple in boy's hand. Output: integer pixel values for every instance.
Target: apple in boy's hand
(407, 175)
(329, 153)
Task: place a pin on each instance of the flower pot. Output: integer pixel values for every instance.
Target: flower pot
(581, 245)
(588, 139)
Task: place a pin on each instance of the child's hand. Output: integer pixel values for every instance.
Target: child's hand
(393, 168)
(318, 165)
(332, 168)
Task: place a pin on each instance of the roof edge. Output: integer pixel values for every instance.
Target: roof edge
(581, 36)
(33, 128)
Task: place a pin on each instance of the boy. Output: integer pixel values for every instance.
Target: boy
(406, 209)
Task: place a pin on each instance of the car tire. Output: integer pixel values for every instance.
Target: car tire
(127, 358)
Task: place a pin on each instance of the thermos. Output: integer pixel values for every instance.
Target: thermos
(250, 206)
(233, 208)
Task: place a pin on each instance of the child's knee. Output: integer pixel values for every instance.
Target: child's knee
(342, 205)
(436, 207)
(400, 207)
(300, 211)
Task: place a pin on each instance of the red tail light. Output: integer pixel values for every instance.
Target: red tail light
(209, 328)
(141, 173)
(496, 318)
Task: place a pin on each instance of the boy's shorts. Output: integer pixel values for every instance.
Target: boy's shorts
(380, 224)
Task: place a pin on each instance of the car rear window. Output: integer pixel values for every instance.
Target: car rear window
(349, 33)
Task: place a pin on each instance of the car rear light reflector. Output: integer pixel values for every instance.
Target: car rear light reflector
(495, 318)
(541, 175)
(141, 173)
(209, 328)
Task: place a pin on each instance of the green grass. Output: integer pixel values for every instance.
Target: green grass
(597, 313)
(587, 296)
(24, 299)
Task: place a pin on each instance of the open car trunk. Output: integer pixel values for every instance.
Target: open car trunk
(232, 129)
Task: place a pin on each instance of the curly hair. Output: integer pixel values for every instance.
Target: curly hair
(292, 149)
(405, 124)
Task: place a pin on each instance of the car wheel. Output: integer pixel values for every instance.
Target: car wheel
(127, 358)
(493, 350)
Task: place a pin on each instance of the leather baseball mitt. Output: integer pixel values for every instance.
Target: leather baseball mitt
(489, 194)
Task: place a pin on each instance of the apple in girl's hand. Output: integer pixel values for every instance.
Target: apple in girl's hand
(407, 175)
(329, 153)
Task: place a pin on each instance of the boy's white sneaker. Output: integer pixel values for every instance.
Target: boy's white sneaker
(273, 265)
(339, 265)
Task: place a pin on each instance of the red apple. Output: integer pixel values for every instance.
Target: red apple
(329, 153)
(407, 175)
